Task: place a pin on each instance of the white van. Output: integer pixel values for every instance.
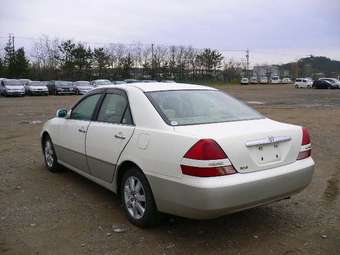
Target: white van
(275, 80)
(303, 83)
(244, 81)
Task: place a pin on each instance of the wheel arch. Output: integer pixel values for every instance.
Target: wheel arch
(44, 135)
(122, 167)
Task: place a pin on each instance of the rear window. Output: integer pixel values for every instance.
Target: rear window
(192, 107)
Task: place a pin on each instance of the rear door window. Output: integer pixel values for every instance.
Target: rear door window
(115, 110)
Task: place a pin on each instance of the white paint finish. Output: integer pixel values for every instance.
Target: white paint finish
(158, 149)
(143, 141)
(233, 136)
(102, 143)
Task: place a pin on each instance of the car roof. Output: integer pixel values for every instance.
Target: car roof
(161, 86)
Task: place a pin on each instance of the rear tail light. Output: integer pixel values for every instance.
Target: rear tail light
(306, 145)
(206, 159)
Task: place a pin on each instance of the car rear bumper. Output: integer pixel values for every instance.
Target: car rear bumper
(204, 198)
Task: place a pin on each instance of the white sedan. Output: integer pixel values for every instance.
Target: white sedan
(187, 150)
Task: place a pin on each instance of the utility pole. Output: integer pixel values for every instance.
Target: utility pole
(247, 65)
(247, 57)
(152, 62)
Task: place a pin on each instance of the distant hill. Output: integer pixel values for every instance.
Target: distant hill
(313, 66)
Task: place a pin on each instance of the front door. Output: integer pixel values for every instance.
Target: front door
(72, 134)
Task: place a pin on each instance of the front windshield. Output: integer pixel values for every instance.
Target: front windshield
(37, 83)
(190, 107)
(103, 82)
(13, 83)
(63, 83)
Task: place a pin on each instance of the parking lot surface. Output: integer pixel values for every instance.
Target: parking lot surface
(45, 213)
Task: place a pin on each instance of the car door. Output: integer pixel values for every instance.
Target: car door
(72, 133)
(109, 134)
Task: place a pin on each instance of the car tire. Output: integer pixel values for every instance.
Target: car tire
(296, 86)
(139, 205)
(50, 156)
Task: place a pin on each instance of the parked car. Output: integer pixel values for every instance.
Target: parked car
(12, 87)
(334, 81)
(263, 80)
(148, 81)
(181, 149)
(324, 84)
(244, 81)
(131, 80)
(275, 80)
(36, 88)
(60, 88)
(101, 83)
(118, 82)
(82, 87)
(286, 80)
(253, 80)
(303, 83)
(24, 81)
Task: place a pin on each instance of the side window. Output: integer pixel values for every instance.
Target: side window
(127, 119)
(84, 110)
(115, 110)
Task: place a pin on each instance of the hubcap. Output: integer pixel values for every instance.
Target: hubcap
(134, 197)
(49, 154)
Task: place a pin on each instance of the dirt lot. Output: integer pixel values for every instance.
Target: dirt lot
(45, 213)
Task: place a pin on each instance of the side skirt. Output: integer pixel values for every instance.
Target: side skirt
(102, 183)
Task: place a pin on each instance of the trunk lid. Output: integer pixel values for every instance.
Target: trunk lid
(252, 145)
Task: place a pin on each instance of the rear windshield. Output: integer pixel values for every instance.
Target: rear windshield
(192, 107)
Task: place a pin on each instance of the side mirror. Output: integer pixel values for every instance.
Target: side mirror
(61, 113)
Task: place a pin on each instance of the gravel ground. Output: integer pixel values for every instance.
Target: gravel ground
(45, 213)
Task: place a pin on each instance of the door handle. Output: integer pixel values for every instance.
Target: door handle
(81, 130)
(120, 136)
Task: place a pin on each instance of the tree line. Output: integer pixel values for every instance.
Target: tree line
(53, 59)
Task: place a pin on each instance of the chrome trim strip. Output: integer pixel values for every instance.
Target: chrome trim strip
(268, 140)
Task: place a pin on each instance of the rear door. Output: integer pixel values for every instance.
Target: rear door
(109, 134)
(72, 133)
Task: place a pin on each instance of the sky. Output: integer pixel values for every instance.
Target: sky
(274, 31)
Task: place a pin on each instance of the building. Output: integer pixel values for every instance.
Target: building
(266, 71)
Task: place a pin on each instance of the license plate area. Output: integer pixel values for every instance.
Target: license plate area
(267, 153)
